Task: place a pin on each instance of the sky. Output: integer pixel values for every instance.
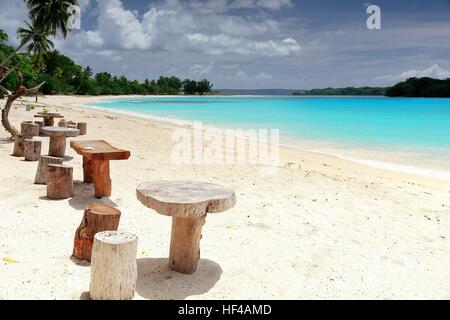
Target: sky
(256, 44)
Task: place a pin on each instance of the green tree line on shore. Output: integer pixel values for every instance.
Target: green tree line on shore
(348, 91)
(63, 76)
(421, 87)
(413, 87)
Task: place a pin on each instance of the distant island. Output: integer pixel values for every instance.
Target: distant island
(413, 87)
(348, 91)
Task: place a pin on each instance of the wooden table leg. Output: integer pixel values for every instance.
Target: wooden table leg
(57, 146)
(185, 244)
(88, 169)
(101, 178)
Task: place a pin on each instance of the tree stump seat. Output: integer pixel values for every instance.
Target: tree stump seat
(97, 218)
(187, 203)
(113, 266)
(28, 129)
(59, 181)
(82, 126)
(41, 172)
(32, 149)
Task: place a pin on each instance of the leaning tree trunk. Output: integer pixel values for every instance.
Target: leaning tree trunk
(9, 102)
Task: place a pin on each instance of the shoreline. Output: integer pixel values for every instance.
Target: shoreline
(396, 167)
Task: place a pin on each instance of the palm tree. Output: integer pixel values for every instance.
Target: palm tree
(47, 18)
(50, 16)
(36, 38)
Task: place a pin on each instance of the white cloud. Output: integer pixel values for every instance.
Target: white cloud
(432, 72)
(12, 16)
(201, 70)
(175, 28)
(222, 6)
(263, 76)
(265, 4)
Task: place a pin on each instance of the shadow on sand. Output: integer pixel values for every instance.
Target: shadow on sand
(83, 195)
(157, 281)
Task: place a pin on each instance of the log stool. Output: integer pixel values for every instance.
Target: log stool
(187, 203)
(41, 173)
(113, 266)
(59, 181)
(29, 129)
(32, 149)
(96, 218)
(82, 126)
(40, 124)
(62, 123)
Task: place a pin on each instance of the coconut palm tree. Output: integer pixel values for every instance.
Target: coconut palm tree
(36, 38)
(50, 16)
(47, 18)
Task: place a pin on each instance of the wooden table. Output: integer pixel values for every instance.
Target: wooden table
(96, 156)
(58, 135)
(187, 203)
(49, 118)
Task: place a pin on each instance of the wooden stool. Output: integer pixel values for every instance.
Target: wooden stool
(82, 126)
(32, 149)
(96, 218)
(29, 129)
(113, 266)
(59, 181)
(39, 123)
(62, 123)
(187, 203)
(41, 173)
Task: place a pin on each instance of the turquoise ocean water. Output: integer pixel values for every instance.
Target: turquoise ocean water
(375, 130)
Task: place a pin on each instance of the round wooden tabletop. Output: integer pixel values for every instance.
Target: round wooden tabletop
(60, 132)
(185, 199)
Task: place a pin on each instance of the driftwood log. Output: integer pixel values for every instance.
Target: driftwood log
(59, 181)
(82, 126)
(32, 149)
(41, 172)
(187, 203)
(96, 218)
(113, 266)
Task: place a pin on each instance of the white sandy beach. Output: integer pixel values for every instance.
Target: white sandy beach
(321, 227)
